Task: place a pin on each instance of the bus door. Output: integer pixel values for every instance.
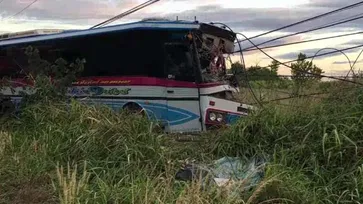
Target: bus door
(181, 90)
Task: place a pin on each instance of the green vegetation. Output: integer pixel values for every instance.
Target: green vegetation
(255, 73)
(304, 70)
(55, 152)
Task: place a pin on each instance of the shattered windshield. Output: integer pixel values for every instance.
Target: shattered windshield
(212, 52)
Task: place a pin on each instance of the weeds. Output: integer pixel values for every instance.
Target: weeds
(315, 155)
(71, 187)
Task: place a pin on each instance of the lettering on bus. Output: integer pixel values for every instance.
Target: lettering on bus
(101, 82)
(97, 91)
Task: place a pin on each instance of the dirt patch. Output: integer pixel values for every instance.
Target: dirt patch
(34, 191)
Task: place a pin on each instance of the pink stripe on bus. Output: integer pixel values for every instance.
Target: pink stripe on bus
(126, 81)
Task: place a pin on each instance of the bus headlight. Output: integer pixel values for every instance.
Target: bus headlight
(215, 117)
(220, 117)
(212, 117)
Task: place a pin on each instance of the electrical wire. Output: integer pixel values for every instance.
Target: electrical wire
(350, 63)
(347, 18)
(355, 62)
(307, 31)
(284, 63)
(319, 55)
(309, 19)
(284, 76)
(312, 95)
(246, 76)
(244, 65)
(287, 105)
(21, 11)
(126, 13)
(301, 42)
(297, 96)
(329, 48)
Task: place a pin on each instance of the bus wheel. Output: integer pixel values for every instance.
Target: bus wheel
(6, 107)
(135, 108)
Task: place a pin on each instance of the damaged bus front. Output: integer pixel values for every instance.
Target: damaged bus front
(217, 96)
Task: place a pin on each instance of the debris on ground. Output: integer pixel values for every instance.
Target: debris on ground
(242, 174)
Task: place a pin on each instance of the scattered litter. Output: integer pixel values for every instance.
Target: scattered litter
(236, 169)
(240, 174)
(194, 172)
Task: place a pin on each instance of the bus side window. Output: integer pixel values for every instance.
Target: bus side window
(178, 63)
(12, 62)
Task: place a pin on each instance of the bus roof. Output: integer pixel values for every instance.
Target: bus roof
(78, 33)
(40, 35)
(29, 33)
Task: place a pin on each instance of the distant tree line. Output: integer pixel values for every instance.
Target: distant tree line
(303, 71)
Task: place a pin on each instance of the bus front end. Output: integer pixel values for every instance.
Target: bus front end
(219, 87)
(219, 107)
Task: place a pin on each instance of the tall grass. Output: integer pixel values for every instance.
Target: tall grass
(71, 153)
(316, 152)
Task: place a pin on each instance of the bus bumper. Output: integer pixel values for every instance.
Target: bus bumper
(219, 112)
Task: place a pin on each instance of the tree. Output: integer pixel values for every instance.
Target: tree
(256, 73)
(274, 66)
(303, 71)
(237, 68)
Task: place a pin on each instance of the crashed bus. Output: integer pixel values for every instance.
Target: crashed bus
(172, 71)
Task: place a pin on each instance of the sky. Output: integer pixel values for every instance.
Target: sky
(248, 17)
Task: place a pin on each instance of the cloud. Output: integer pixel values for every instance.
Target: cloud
(355, 42)
(314, 51)
(240, 19)
(331, 3)
(346, 62)
(67, 9)
(264, 19)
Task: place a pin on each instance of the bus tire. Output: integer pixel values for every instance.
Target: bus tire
(134, 108)
(6, 107)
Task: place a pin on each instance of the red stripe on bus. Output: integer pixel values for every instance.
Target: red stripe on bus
(139, 81)
(127, 81)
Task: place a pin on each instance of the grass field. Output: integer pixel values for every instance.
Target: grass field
(54, 153)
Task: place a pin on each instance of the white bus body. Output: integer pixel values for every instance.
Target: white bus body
(182, 106)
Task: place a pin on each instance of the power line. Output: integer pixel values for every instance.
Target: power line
(301, 42)
(355, 62)
(285, 76)
(327, 24)
(335, 49)
(21, 11)
(350, 63)
(312, 95)
(328, 53)
(319, 55)
(347, 18)
(126, 13)
(309, 19)
(296, 96)
(244, 67)
(318, 75)
(307, 31)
